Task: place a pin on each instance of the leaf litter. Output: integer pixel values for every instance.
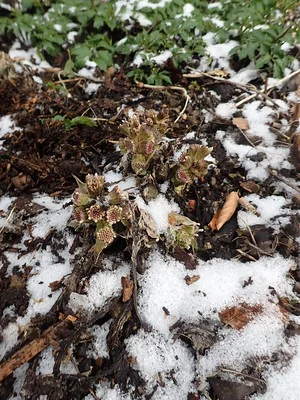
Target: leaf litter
(99, 327)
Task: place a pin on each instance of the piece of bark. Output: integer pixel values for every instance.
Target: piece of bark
(27, 352)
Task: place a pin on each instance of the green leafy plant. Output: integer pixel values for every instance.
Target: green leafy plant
(106, 34)
(70, 123)
(191, 166)
(107, 212)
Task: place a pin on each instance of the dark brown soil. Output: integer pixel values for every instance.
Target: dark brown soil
(44, 156)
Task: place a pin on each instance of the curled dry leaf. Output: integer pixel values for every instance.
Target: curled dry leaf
(248, 206)
(127, 285)
(250, 186)
(226, 212)
(239, 316)
(191, 279)
(241, 123)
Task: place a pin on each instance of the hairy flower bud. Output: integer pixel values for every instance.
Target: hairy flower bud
(114, 214)
(117, 196)
(106, 234)
(183, 176)
(95, 213)
(95, 184)
(80, 197)
(79, 214)
(138, 162)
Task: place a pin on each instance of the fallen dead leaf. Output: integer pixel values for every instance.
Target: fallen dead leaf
(226, 212)
(55, 285)
(239, 316)
(241, 123)
(191, 279)
(291, 307)
(248, 206)
(250, 186)
(17, 282)
(127, 285)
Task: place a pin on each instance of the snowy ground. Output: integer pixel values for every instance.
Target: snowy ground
(260, 353)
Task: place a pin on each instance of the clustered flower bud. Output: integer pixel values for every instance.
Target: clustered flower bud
(95, 207)
(191, 165)
(114, 214)
(95, 184)
(95, 213)
(106, 234)
(79, 214)
(144, 139)
(117, 196)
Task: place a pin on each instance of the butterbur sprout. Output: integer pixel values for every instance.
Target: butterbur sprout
(95, 213)
(100, 209)
(95, 184)
(114, 214)
(182, 232)
(144, 142)
(191, 165)
(183, 176)
(106, 234)
(80, 198)
(138, 163)
(117, 196)
(79, 214)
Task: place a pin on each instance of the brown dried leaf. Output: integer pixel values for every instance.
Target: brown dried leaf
(227, 390)
(146, 223)
(250, 186)
(248, 206)
(226, 212)
(191, 279)
(127, 285)
(239, 316)
(186, 258)
(55, 285)
(241, 123)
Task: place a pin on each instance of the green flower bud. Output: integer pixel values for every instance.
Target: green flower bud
(79, 214)
(118, 196)
(81, 198)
